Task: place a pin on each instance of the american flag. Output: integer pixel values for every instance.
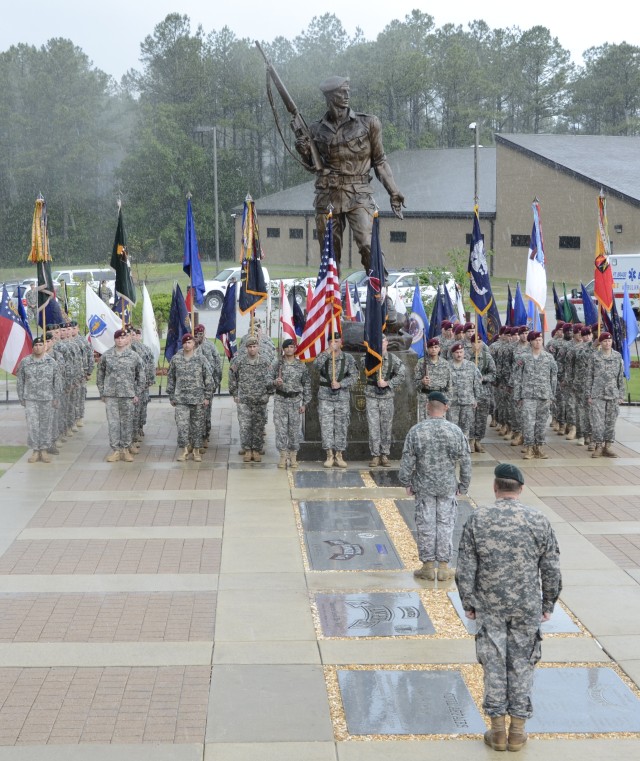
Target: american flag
(323, 316)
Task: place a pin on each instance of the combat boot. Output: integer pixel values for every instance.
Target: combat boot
(540, 453)
(517, 735)
(247, 455)
(597, 452)
(374, 461)
(114, 456)
(197, 455)
(256, 455)
(283, 459)
(496, 737)
(554, 424)
(241, 451)
(126, 455)
(580, 441)
(135, 447)
(328, 463)
(45, 456)
(590, 445)
(184, 455)
(293, 459)
(472, 445)
(507, 430)
(428, 571)
(340, 460)
(528, 453)
(562, 429)
(493, 422)
(518, 440)
(35, 456)
(79, 423)
(607, 451)
(384, 461)
(571, 433)
(444, 572)
(479, 447)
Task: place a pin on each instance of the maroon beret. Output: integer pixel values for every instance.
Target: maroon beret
(199, 329)
(458, 329)
(533, 334)
(456, 346)
(433, 342)
(469, 326)
(522, 330)
(119, 333)
(446, 325)
(585, 331)
(187, 337)
(577, 327)
(567, 328)
(604, 336)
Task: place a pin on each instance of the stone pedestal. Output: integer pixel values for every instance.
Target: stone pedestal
(405, 414)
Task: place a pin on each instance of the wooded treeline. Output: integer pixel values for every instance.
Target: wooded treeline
(68, 131)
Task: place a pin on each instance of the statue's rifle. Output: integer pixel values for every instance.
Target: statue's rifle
(298, 124)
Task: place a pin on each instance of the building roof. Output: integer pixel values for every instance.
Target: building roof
(610, 162)
(434, 183)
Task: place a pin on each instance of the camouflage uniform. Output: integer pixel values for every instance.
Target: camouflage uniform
(583, 361)
(146, 355)
(120, 378)
(561, 406)
(520, 351)
(294, 393)
(534, 384)
(487, 370)
(431, 451)
(31, 297)
(439, 380)
(503, 358)
(74, 370)
(467, 383)
(211, 355)
(380, 404)
(88, 364)
(606, 391)
(39, 383)
(569, 379)
(189, 384)
(265, 347)
(334, 407)
(508, 555)
(250, 384)
(59, 355)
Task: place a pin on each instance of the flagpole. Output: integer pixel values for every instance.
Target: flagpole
(475, 338)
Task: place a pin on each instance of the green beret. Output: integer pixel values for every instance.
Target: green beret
(506, 470)
(438, 396)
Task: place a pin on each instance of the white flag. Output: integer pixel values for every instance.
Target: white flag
(102, 323)
(150, 336)
(286, 316)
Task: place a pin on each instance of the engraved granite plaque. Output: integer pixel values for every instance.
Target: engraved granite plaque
(351, 551)
(375, 614)
(582, 700)
(407, 508)
(326, 479)
(560, 622)
(388, 702)
(346, 515)
(386, 477)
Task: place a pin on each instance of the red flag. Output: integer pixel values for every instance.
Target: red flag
(603, 275)
(309, 298)
(286, 316)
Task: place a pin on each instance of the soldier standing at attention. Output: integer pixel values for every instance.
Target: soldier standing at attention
(250, 386)
(39, 384)
(432, 373)
(120, 380)
(605, 395)
(379, 393)
(432, 450)
(105, 293)
(190, 388)
(88, 362)
(31, 297)
(292, 384)
(466, 389)
(148, 362)
(338, 372)
(211, 355)
(508, 577)
(487, 368)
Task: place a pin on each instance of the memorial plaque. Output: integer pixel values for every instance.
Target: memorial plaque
(386, 477)
(389, 702)
(351, 551)
(345, 515)
(407, 508)
(582, 700)
(560, 622)
(375, 614)
(326, 479)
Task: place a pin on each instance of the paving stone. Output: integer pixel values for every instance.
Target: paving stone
(326, 479)
(346, 515)
(388, 702)
(407, 508)
(387, 477)
(351, 550)
(374, 614)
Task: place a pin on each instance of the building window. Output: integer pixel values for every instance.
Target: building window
(520, 241)
(397, 236)
(296, 233)
(273, 232)
(569, 241)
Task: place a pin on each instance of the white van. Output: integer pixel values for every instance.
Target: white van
(626, 270)
(93, 276)
(214, 290)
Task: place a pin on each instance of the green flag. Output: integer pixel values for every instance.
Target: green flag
(566, 306)
(120, 263)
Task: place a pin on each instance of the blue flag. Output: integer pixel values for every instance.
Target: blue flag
(191, 265)
(376, 313)
(298, 318)
(477, 270)
(53, 314)
(226, 332)
(492, 324)
(418, 323)
(253, 290)
(508, 318)
(178, 324)
(590, 311)
(519, 309)
(449, 309)
(631, 330)
(357, 306)
(22, 314)
(437, 315)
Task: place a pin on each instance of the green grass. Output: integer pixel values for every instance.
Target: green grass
(11, 453)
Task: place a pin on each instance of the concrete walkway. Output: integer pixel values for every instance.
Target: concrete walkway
(168, 611)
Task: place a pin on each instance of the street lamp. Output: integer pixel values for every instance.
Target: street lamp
(476, 128)
(201, 131)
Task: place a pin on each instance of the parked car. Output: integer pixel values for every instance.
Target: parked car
(214, 290)
(401, 285)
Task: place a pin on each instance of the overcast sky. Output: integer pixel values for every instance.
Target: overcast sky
(110, 33)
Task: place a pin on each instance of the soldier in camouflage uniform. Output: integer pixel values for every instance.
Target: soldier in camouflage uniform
(432, 373)
(496, 349)
(508, 577)
(88, 362)
(583, 359)
(561, 404)
(467, 383)
(265, 344)
(149, 364)
(38, 384)
(503, 358)
(290, 378)
(446, 340)
(570, 381)
(534, 386)
(457, 331)
(338, 372)
(432, 450)
(211, 355)
(120, 380)
(31, 297)
(605, 394)
(552, 347)
(190, 388)
(520, 349)
(487, 369)
(379, 394)
(250, 387)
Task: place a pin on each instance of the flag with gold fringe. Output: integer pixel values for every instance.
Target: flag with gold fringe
(253, 290)
(40, 254)
(603, 275)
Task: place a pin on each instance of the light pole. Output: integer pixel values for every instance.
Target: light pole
(201, 131)
(476, 129)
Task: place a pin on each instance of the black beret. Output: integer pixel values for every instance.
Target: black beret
(38, 340)
(438, 396)
(288, 342)
(506, 470)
